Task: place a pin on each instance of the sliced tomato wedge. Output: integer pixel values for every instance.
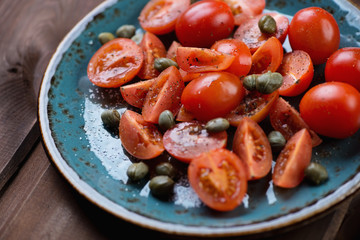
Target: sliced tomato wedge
(115, 63)
(298, 71)
(287, 120)
(192, 59)
(188, 140)
(219, 179)
(245, 9)
(171, 52)
(293, 160)
(159, 16)
(164, 94)
(252, 146)
(135, 93)
(153, 48)
(184, 115)
(254, 105)
(188, 76)
(140, 139)
(249, 32)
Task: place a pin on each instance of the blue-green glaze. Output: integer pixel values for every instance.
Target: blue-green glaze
(96, 156)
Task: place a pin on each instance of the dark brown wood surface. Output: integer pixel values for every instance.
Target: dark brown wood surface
(36, 202)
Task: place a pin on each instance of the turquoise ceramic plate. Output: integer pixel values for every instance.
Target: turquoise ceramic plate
(94, 162)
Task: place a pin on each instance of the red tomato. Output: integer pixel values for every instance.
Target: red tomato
(204, 23)
(245, 9)
(135, 93)
(252, 146)
(192, 59)
(212, 95)
(344, 66)
(292, 161)
(332, 109)
(254, 105)
(115, 63)
(268, 57)
(184, 115)
(297, 71)
(141, 139)
(164, 94)
(242, 62)
(152, 48)
(219, 179)
(287, 120)
(315, 31)
(159, 16)
(171, 53)
(250, 34)
(188, 76)
(187, 140)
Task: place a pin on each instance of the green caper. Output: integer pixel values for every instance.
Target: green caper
(137, 37)
(161, 186)
(161, 64)
(267, 24)
(105, 37)
(217, 125)
(277, 140)
(316, 173)
(137, 171)
(269, 82)
(166, 169)
(249, 82)
(126, 31)
(166, 120)
(111, 118)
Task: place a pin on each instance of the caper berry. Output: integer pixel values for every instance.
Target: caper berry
(161, 186)
(137, 171)
(166, 169)
(316, 173)
(249, 82)
(126, 31)
(277, 140)
(105, 37)
(217, 125)
(166, 120)
(111, 118)
(161, 64)
(267, 24)
(269, 82)
(137, 37)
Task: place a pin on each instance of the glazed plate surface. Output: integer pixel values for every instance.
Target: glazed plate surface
(94, 162)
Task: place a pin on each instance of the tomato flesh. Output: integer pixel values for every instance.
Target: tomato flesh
(244, 9)
(135, 93)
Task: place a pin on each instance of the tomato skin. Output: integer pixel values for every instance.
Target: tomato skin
(212, 95)
(159, 16)
(244, 10)
(115, 63)
(140, 138)
(315, 31)
(252, 146)
(187, 140)
(204, 23)
(135, 93)
(219, 179)
(332, 109)
(344, 66)
(292, 161)
(171, 52)
(242, 62)
(298, 71)
(164, 94)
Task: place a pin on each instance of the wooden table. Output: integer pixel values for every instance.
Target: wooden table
(36, 202)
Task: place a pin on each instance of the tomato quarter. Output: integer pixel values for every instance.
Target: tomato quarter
(135, 93)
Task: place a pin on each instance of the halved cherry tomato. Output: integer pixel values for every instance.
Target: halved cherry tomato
(292, 161)
(159, 16)
(242, 62)
(254, 105)
(249, 32)
(287, 120)
(204, 23)
(212, 95)
(135, 93)
(245, 9)
(192, 59)
(187, 140)
(115, 63)
(298, 71)
(219, 179)
(252, 146)
(152, 48)
(164, 94)
(141, 139)
(268, 57)
(184, 115)
(171, 53)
